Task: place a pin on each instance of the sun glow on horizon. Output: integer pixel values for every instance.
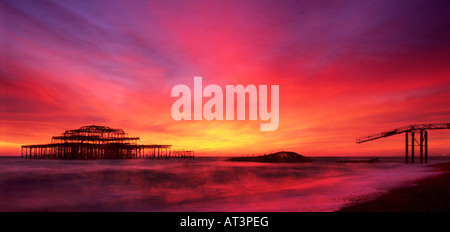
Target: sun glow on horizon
(344, 70)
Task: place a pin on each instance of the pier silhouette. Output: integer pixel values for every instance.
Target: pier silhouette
(410, 130)
(99, 142)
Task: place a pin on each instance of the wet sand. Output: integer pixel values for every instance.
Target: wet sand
(427, 195)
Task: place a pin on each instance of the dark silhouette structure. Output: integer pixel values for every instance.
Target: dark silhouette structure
(99, 142)
(421, 129)
(277, 157)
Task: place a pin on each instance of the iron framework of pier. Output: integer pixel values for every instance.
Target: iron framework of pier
(410, 130)
(99, 142)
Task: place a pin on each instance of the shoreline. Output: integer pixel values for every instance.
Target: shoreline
(426, 195)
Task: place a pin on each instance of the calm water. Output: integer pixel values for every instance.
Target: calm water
(203, 184)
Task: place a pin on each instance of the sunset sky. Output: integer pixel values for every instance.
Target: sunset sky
(345, 69)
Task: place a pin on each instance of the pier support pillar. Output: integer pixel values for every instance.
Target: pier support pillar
(426, 146)
(412, 146)
(406, 147)
(421, 146)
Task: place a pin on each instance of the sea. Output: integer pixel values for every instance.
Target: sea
(203, 184)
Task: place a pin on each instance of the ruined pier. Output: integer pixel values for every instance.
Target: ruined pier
(100, 142)
(410, 138)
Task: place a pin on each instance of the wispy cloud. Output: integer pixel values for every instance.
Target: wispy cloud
(344, 69)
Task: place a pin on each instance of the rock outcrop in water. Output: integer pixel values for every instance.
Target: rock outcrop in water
(278, 157)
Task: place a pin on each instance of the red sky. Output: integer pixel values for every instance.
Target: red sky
(345, 69)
